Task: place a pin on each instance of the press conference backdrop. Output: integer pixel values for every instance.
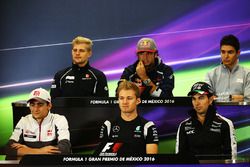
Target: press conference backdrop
(36, 35)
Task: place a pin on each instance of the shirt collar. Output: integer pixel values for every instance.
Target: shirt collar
(236, 66)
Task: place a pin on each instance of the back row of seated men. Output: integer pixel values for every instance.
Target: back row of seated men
(151, 75)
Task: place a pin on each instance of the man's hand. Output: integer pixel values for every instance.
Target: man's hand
(18, 146)
(237, 98)
(23, 149)
(50, 150)
(141, 71)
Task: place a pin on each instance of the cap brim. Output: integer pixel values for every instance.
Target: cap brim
(197, 91)
(152, 51)
(38, 99)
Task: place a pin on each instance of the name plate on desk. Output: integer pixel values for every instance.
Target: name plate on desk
(111, 101)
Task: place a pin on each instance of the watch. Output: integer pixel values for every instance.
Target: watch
(147, 81)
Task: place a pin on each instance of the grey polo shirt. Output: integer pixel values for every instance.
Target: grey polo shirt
(226, 82)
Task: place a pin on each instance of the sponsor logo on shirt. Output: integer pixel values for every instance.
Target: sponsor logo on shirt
(239, 80)
(215, 130)
(138, 129)
(27, 131)
(102, 132)
(53, 86)
(116, 129)
(70, 79)
(29, 134)
(49, 132)
(137, 132)
(188, 128)
(190, 132)
(86, 77)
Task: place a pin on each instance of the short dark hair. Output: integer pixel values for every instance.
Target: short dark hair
(230, 40)
(127, 85)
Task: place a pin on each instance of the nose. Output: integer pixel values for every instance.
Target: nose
(35, 108)
(196, 102)
(124, 101)
(226, 54)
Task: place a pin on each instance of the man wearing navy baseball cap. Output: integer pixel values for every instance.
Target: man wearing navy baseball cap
(205, 132)
(201, 88)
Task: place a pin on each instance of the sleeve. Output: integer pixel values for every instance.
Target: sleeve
(247, 86)
(55, 90)
(11, 153)
(16, 137)
(102, 86)
(18, 131)
(208, 79)
(181, 146)
(229, 139)
(63, 144)
(166, 86)
(151, 133)
(103, 136)
(125, 74)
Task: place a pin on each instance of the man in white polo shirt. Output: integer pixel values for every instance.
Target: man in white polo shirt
(40, 132)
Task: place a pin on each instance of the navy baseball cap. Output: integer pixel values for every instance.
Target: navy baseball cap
(201, 88)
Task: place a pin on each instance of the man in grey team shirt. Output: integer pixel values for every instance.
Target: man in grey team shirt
(229, 80)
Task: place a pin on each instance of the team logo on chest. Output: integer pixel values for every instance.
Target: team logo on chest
(49, 132)
(69, 79)
(86, 77)
(116, 129)
(137, 132)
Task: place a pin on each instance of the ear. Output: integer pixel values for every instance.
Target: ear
(90, 53)
(211, 99)
(50, 106)
(156, 54)
(238, 53)
(138, 101)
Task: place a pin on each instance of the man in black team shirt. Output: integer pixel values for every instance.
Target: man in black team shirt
(151, 75)
(80, 79)
(205, 133)
(129, 134)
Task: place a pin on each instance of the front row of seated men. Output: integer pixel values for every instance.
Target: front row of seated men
(154, 78)
(205, 132)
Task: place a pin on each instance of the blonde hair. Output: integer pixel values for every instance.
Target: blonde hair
(80, 40)
(127, 85)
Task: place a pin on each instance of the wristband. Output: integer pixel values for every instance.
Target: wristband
(147, 81)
